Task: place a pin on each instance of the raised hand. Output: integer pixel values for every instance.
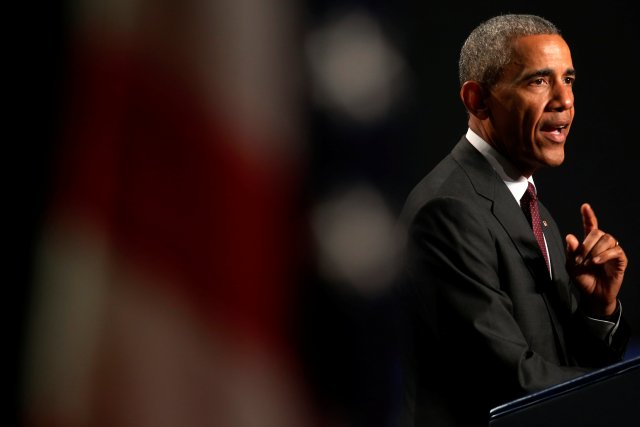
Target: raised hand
(597, 266)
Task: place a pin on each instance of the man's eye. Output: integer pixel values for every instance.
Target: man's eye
(569, 80)
(538, 82)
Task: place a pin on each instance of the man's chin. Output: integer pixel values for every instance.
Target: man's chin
(554, 161)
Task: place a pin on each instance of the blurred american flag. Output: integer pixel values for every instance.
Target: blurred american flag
(165, 272)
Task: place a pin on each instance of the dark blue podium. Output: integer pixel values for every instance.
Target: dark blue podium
(608, 397)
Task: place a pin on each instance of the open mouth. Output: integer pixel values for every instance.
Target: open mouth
(554, 127)
(556, 132)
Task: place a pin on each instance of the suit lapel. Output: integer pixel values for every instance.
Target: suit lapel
(556, 253)
(488, 184)
(508, 213)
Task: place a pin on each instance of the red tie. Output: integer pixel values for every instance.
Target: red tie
(529, 205)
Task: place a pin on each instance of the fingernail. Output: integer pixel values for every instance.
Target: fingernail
(578, 259)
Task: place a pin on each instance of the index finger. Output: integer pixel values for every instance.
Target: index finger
(589, 220)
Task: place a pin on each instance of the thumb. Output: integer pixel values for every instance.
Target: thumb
(572, 243)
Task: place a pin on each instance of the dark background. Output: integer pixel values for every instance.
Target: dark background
(392, 154)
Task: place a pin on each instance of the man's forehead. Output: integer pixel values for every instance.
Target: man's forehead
(541, 52)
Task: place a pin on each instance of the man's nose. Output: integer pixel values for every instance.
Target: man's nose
(562, 97)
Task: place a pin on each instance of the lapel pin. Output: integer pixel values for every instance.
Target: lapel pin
(544, 222)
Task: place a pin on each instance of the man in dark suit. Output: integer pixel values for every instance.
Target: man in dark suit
(496, 313)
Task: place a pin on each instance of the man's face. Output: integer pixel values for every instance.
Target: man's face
(531, 105)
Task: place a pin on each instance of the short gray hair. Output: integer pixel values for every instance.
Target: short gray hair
(488, 48)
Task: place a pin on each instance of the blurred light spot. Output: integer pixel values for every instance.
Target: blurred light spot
(357, 239)
(354, 69)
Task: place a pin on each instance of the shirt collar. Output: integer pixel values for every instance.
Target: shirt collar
(516, 183)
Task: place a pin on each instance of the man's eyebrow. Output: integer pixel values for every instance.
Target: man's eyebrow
(545, 72)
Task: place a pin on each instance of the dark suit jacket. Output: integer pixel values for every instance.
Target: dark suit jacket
(486, 322)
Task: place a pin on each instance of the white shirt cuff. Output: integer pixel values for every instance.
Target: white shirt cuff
(605, 329)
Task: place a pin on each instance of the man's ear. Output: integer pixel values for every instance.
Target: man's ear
(473, 96)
